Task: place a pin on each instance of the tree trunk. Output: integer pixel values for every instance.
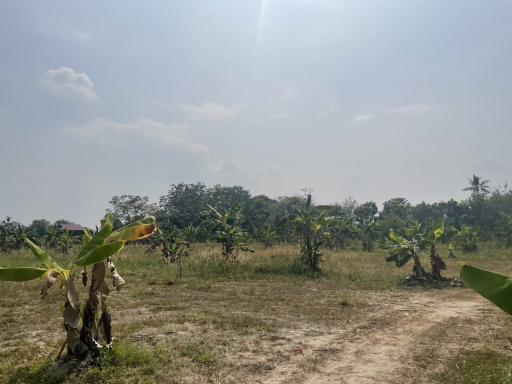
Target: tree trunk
(437, 263)
(417, 269)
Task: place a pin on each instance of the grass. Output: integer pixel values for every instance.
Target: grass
(482, 366)
(124, 360)
(223, 313)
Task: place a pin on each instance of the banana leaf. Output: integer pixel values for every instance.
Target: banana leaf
(21, 273)
(493, 286)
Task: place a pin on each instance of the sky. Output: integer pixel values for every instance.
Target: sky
(351, 98)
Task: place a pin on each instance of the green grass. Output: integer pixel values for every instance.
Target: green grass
(479, 367)
(118, 364)
(201, 352)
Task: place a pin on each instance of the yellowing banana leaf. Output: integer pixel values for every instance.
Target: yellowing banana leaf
(100, 253)
(137, 230)
(43, 257)
(493, 286)
(21, 274)
(98, 238)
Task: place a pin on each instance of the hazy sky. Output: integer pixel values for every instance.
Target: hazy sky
(369, 99)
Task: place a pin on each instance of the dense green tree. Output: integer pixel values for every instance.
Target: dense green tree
(182, 205)
(128, 208)
(11, 234)
(396, 214)
(39, 230)
(225, 197)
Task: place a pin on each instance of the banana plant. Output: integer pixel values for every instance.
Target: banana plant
(466, 239)
(268, 236)
(451, 253)
(401, 250)
(493, 286)
(313, 228)
(339, 230)
(227, 230)
(89, 329)
(432, 237)
(365, 230)
(173, 246)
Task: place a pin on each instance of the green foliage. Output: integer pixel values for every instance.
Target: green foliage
(365, 221)
(199, 352)
(268, 236)
(129, 208)
(339, 230)
(466, 239)
(401, 250)
(21, 274)
(312, 227)
(478, 367)
(493, 286)
(227, 230)
(11, 235)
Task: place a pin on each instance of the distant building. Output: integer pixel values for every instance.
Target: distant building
(73, 229)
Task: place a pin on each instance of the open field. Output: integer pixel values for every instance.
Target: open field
(257, 320)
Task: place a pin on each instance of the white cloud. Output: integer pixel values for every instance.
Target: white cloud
(210, 111)
(111, 132)
(411, 109)
(64, 81)
(362, 119)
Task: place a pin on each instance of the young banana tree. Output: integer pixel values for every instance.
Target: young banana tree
(365, 230)
(312, 227)
(401, 250)
(340, 228)
(88, 328)
(466, 239)
(227, 230)
(432, 237)
(451, 253)
(173, 245)
(268, 235)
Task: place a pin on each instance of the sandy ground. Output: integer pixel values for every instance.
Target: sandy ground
(385, 348)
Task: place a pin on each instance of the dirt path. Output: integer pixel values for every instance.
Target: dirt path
(378, 350)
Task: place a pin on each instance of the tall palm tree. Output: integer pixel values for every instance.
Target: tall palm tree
(477, 185)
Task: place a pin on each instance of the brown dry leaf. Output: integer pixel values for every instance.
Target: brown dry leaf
(98, 275)
(71, 293)
(48, 283)
(117, 281)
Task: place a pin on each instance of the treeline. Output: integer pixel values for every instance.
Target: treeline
(485, 215)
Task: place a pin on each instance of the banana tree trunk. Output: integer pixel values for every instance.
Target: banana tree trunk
(417, 269)
(437, 263)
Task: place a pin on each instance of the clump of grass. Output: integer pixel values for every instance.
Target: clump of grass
(127, 355)
(478, 367)
(40, 372)
(201, 352)
(115, 366)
